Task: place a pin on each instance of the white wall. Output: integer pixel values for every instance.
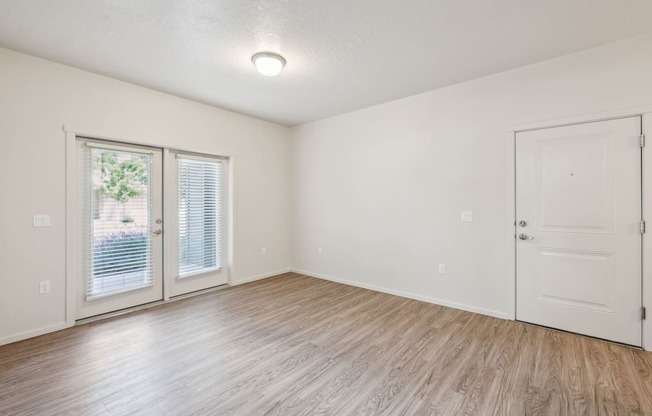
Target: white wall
(38, 97)
(381, 189)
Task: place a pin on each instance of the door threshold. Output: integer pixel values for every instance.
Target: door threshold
(125, 311)
(199, 292)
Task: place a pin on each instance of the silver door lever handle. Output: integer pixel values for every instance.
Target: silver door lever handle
(157, 232)
(525, 237)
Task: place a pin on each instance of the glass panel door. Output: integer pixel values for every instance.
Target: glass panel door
(197, 241)
(120, 227)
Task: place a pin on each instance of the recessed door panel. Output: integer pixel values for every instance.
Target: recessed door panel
(574, 182)
(576, 278)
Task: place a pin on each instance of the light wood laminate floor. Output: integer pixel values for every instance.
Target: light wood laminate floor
(294, 345)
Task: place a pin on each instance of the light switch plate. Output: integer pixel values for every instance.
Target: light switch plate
(467, 216)
(41, 220)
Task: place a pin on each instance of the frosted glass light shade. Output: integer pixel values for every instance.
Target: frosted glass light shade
(268, 63)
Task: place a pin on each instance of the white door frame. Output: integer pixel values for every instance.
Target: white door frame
(72, 231)
(646, 116)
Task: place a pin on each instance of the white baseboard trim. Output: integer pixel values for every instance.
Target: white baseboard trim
(441, 302)
(33, 333)
(260, 276)
(502, 315)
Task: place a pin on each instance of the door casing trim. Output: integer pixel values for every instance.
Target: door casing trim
(646, 127)
(71, 136)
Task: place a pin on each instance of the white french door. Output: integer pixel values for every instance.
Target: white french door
(197, 242)
(119, 226)
(578, 213)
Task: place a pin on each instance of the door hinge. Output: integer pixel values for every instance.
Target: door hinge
(642, 140)
(643, 312)
(642, 227)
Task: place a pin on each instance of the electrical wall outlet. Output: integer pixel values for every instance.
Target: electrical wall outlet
(442, 269)
(44, 287)
(263, 251)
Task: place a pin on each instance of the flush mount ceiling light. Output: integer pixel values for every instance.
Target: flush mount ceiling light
(268, 63)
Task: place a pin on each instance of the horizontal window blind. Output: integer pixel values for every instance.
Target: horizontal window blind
(117, 221)
(199, 242)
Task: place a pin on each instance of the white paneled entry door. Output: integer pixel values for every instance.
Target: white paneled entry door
(578, 214)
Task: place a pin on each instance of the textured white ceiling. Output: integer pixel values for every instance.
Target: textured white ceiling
(341, 55)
